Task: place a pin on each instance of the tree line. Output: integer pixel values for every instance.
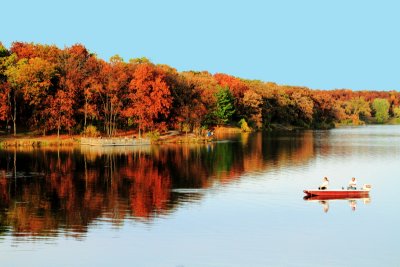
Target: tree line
(46, 89)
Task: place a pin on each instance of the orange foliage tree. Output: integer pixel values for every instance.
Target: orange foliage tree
(149, 97)
(60, 111)
(114, 81)
(75, 73)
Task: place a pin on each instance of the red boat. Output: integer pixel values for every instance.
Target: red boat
(365, 198)
(336, 194)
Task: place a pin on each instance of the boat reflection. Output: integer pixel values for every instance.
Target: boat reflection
(324, 201)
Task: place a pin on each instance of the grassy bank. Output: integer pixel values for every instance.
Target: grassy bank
(35, 141)
(69, 141)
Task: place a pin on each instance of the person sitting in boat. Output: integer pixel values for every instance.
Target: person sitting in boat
(352, 184)
(324, 184)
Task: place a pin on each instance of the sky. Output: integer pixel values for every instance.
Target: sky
(317, 44)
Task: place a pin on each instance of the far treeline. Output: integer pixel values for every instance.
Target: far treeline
(45, 89)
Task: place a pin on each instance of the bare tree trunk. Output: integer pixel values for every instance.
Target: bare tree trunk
(14, 118)
(114, 124)
(84, 123)
(110, 121)
(15, 169)
(140, 134)
(15, 163)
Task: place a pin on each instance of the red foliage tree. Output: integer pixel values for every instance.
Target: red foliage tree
(237, 86)
(4, 101)
(60, 111)
(149, 96)
(111, 90)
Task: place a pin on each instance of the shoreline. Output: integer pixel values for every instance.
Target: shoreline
(71, 141)
(176, 138)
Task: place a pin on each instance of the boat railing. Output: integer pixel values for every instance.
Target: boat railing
(367, 187)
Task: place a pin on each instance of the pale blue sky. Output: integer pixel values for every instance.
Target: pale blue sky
(319, 44)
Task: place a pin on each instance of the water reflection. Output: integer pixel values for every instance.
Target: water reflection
(324, 201)
(45, 192)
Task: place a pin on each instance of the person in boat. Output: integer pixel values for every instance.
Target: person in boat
(352, 184)
(324, 185)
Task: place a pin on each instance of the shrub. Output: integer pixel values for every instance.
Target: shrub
(244, 126)
(90, 131)
(153, 135)
(186, 127)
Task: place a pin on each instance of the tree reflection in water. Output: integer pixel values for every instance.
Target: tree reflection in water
(48, 191)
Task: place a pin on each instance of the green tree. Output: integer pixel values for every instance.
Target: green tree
(396, 112)
(225, 106)
(381, 108)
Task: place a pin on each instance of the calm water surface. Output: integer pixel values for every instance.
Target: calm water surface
(235, 202)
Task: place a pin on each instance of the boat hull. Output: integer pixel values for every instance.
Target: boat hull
(336, 194)
(323, 198)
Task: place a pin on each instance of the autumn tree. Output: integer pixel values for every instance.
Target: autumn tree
(60, 112)
(4, 101)
(205, 88)
(79, 71)
(114, 82)
(357, 108)
(149, 97)
(10, 89)
(252, 103)
(303, 106)
(278, 107)
(28, 51)
(381, 109)
(91, 86)
(324, 111)
(32, 77)
(396, 112)
(4, 86)
(187, 108)
(237, 87)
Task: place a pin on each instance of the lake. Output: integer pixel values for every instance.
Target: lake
(234, 202)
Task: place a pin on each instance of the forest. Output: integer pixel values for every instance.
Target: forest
(48, 90)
